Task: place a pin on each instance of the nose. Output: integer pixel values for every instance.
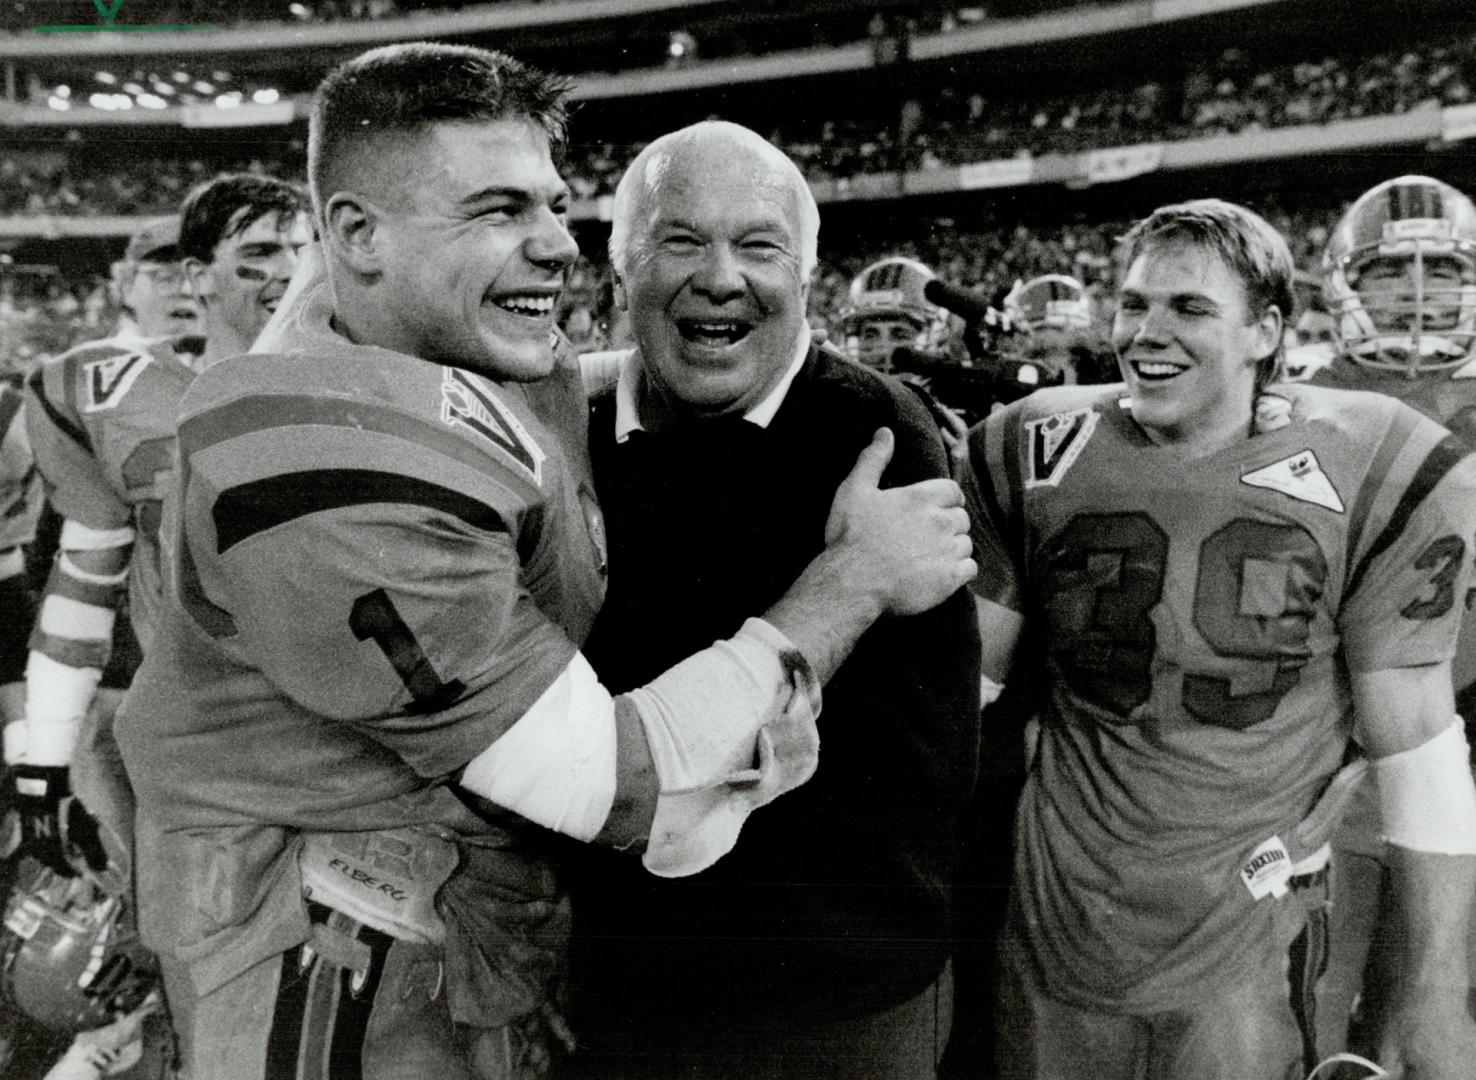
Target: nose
(551, 245)
(281, 264)
(1152, 329)
(718, 278)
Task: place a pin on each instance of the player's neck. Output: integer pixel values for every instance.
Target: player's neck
(223, 341)
(1197, 440)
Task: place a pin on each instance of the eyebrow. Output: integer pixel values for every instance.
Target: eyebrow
(1178, 297)
(517, 194)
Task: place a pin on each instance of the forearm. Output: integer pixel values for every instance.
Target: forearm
(825, 612)
(1434, 897)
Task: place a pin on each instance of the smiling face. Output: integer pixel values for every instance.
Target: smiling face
(1188, 346)
(473, 252)
(713, 279)
(246, 277)
(877, 337)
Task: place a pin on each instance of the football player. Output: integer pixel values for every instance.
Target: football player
(364, 707)
(153, 291)
(19, 503)
(1051, 319)
(887, 311)
(1399, 278)
(1292, 576)
(102, 420)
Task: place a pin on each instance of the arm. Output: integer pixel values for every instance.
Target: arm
(1405, 719)
(73, 633)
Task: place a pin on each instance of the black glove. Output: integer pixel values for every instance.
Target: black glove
(55, 829)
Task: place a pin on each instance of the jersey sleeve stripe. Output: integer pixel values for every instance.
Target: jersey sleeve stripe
(1447, 453)
(264, 412)
(37, 386)
(242, 511)
(984, 482)
(10, 403)
(1009, 452)
(72, 652)
(1388, 452)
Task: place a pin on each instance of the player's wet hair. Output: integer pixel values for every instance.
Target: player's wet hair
(1247, 244)
(642, 174)
(402, 89)
(230, 204)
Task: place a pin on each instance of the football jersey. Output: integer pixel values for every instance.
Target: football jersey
(1446, 397)
(375, 565)
(1198, 618)
(102, 420)
(19, 501)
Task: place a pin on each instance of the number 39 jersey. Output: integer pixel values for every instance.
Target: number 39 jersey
(1198, 620)
(101, 420)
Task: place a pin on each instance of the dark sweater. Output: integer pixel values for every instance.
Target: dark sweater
(835, 901)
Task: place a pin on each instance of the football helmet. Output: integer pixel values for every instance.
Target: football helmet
(1400, 277)
(888, 290)
(1048, 302)
(67, 959)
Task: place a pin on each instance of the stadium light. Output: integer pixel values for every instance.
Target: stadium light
(152, 101)
(107, 78)
(266, 97)
(60, 104)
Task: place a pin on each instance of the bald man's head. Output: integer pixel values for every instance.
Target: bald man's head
(697, 146)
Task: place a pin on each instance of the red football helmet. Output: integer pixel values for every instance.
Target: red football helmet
(67, 960)
(1400, 277)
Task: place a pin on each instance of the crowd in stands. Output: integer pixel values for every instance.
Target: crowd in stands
(41, 316)
(1227, 95)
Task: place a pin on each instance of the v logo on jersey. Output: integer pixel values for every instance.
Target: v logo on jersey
(1054, 443)
(468, 402)
(108, 381)
(1299, 476)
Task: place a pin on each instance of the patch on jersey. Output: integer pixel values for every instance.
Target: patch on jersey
(1299, 476)
(109, 380)
(1054, 444)
(467, 401)
(1268, 869)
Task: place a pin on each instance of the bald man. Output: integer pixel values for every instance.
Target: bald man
(366, 712)
(819, 946)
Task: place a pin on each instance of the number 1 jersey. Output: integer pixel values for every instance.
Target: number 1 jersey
(1197, 619)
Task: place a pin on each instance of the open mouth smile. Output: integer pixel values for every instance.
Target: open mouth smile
(1157, 370)
(712, 333)
(526, 305)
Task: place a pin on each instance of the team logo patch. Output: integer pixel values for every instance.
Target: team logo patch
(468, 402)
(1268, 869)
(1054, 443)
(107, 381)
(1299, 476)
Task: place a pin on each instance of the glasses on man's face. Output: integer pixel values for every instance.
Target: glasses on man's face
(164, 275)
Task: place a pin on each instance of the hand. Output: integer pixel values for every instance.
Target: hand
(909, 544)
(955, 432)
(1430, 1036)
(54, 827)
(106, 1051)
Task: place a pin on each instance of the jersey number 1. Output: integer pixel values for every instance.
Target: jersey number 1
(375, 616)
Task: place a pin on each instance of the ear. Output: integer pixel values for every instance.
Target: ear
(201, 279)
(1268, 333)
(352, 233)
